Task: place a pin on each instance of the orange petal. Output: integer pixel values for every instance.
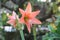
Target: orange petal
(10, 17)
(21, 11)
(13, 16)
(21, 20)
(11, 21)
(28, 26)
(28, 8)
(35, 21)
(34, 14)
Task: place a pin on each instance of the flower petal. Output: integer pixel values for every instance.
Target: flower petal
(11, 22)
(9, 16)
(28, 8)
(35, 21)
(21, 11)
(14, 14)
(21, 20)
(28, 26)
(34, 14)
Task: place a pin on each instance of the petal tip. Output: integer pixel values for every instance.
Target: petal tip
(29, 30)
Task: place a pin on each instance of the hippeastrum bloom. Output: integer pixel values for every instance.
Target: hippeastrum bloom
(12, 18)
(28, 17)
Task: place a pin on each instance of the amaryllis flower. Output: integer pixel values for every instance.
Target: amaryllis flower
(28, 17)
(12, 18)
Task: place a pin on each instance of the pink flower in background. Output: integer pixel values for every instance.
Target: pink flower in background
(28, 17)
(12, 19)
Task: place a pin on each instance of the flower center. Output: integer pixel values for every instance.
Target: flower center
(26, 18)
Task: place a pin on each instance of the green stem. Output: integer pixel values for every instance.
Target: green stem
(22, 34)
(34, 32)
(19, 27)
(34, 37)
(21, 31)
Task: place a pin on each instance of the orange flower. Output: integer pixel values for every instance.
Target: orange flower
(28, 17)
(12, 19)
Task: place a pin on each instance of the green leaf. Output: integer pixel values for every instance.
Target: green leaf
(58, 28)
(51, 28)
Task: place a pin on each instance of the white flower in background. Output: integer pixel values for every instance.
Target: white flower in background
(49, 0)
(44, 0)
(7, 28)
(41, 0)
(59, 8)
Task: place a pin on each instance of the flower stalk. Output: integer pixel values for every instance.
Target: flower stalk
(34, 32)
(19, 26)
